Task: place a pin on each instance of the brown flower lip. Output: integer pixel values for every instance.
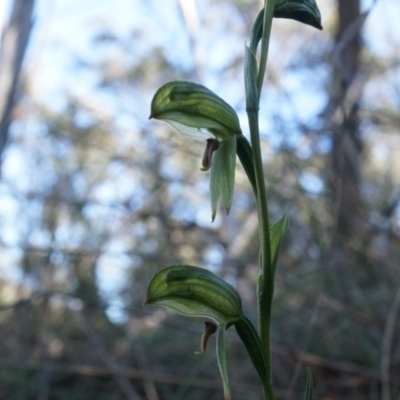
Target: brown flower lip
(212, 145)
(209, 329)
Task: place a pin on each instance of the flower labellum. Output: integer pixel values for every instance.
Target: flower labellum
(209, 329)
(212, 145)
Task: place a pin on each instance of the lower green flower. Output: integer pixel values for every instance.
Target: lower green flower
(195, 292)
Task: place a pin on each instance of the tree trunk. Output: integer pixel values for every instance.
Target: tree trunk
(14, 41)
(347, 145)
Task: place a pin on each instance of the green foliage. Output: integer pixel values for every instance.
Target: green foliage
(251, 340)
(250, 79)
(277, 231)
(309, 386)
(223, 362)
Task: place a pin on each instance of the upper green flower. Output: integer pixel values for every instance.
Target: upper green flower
(194, 110)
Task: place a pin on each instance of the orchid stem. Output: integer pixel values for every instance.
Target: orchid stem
(265, 287)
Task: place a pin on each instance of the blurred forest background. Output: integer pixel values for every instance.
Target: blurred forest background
(94, 199)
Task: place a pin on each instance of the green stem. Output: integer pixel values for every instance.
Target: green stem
(265, 283)
(265, 287)
(267, 24)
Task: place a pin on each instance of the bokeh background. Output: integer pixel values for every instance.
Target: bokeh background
(94, 199)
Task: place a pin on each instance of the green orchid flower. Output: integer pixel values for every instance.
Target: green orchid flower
(194, 110)
(197, 292)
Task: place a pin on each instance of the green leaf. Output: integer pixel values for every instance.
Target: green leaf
(277, 232)
(194, 110)
(251, 341)
(256, 32)
(222, 175)
(309, 386)
(222, 362)
(245, 154)
(305, 11)
(194, 292)
(250, 79)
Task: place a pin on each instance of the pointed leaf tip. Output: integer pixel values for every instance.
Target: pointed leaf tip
(277, 231)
